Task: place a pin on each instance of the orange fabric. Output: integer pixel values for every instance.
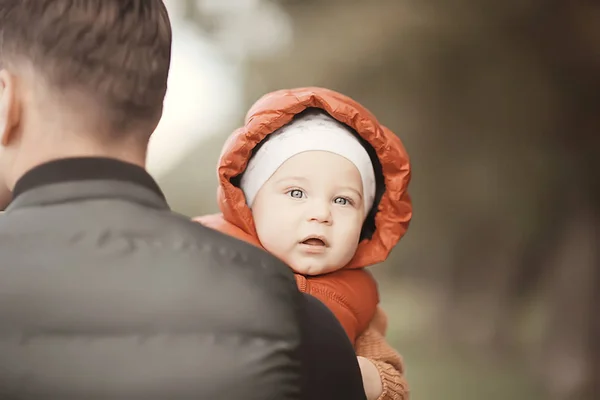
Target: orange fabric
(351, 295)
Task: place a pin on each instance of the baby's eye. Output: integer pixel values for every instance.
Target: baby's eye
(296, 193)
(342, 201)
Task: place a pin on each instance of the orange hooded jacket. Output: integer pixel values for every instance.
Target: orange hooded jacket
(351, 293)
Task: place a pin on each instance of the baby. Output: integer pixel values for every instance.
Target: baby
(314, 179)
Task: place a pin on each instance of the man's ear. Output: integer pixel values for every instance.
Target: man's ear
(9, 107)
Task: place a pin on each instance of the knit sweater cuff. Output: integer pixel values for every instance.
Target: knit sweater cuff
(393, 383)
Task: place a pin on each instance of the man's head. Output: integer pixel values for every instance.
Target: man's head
(80, 78)
(310, 187)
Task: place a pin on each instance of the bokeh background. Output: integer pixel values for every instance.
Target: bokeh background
(494, 292)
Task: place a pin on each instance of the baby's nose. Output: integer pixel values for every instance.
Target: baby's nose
(320, 211)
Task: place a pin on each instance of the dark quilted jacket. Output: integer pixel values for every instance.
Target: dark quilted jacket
(106, 294)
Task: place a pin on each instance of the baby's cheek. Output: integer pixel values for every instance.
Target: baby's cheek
(348, 249)
(274, 241)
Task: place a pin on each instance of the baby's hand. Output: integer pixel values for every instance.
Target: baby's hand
(371, 378)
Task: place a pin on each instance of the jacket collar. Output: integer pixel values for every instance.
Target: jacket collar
(75, 179)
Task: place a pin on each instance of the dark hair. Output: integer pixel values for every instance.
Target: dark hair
(115, 52)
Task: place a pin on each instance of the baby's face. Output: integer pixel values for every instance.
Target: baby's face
(310, 212)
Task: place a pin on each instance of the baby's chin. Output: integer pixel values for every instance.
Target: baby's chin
(311, 269)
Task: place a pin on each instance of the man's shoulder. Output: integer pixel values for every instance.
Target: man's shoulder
(255, 279)
(174, 231)
(223, 241)
(229, 250)
(153, 245)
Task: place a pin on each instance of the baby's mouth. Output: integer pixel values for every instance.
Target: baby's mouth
(314, 241)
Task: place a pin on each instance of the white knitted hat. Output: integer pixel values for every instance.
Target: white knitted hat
(313, 131)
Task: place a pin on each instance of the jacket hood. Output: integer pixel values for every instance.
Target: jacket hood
(276, 109)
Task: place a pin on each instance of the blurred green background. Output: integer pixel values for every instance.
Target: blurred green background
(493, 293)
